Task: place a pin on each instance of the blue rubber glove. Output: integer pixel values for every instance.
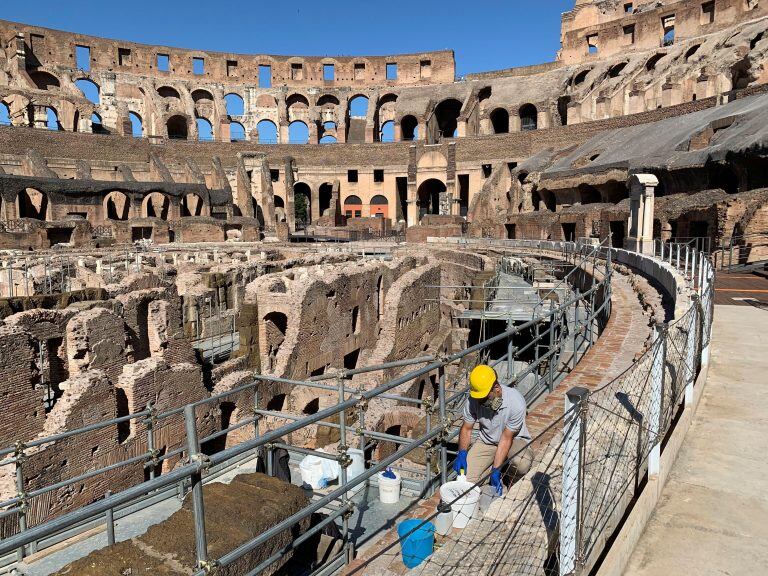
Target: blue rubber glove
(496, 481)
(460, 465)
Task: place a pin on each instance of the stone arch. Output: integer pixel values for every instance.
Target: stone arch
(579, 78)
(191, 205)
(302, 203)
(168, 92)
(447, 116)
(325, 194)
(44, 80)
(275, 328)
(432, 160)
(616, 70)
(90, 89)
(380, 206)
(499, 120)
(177, 127)
(5, 114)
(387, 132)
(353, 206)
(53, 122)
(236, 132)
(385, 113)
(650, 64)
(358, 106)
(265, 101)
(234, 104)
(204, 129)
(31, 203)
(589, 194)
(528, 117)
(429, 196)
(267, 132)
(409, 126)
(298, 132)
(117, 206)
(137, 124)
(155, 205)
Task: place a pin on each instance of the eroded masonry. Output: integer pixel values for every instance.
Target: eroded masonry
(214, 265)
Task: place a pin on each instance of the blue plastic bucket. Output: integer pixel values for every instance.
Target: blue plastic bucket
(418, 545)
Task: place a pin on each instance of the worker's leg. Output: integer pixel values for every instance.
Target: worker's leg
(479, 459)
(522, 458)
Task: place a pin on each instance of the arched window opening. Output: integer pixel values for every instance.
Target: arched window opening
(327, 126)
(156, 206)
(653, 60)
(302, 202)
(52, 119)
(326, 195)
(89, 89)
(429, 197)
(691, 51)
(5, 114)
(589, 194)
(32, 204)
(298, 132)
(137, 126)
(44, 80)
(353, 206)
(387, 133)
(168, 92)
(236, 132)
(500, 121)
(409, 127)
(201, 95)
(191, 205)
(97, 126)
(312, 406)
(276, 403)
(118, 206)
(529, 117)
(447, 116)
(234, 104)
(578, 80)
(616, 70)
(380, 206)
(267, 132)
(358, 107)
(328, 139)
(204, 130)
(177, 127)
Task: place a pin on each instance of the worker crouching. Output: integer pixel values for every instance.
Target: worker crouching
(500, 413)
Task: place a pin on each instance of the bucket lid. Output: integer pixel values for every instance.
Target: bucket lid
(443, 507)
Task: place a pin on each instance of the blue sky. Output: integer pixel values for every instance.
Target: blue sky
(486, 35)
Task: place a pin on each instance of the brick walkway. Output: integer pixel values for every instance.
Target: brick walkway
(621, 343)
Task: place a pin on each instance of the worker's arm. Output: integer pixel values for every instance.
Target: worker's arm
(502, 450)
(465, 435)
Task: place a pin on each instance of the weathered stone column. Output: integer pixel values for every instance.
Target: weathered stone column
(642, 192)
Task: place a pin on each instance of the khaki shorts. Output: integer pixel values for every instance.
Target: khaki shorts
(480, 459)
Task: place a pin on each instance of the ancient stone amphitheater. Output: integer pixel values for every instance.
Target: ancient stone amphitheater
(216, 265)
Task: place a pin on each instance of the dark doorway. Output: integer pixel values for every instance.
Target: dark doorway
(463, 194)
(569, 231)
(429, 197)
(511, 232)
(402, 197)
(617, 233)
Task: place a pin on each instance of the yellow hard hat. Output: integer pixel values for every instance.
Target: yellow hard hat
(481, 380)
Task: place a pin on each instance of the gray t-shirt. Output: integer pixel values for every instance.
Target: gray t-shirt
(511, 415)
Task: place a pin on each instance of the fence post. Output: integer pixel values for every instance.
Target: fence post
(110, 517)
(655, 432)
(690, 351)
(443, 447)
(19, 458)
(576, 402)
(198, 506)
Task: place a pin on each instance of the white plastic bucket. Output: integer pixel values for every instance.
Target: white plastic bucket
(464, 507)
(389, 489)
(311, 469)
(357, 466)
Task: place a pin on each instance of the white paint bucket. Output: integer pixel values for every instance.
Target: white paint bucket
(357, 467)
(464, 507)
(389, 489)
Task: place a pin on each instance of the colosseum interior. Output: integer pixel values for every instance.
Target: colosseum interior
(303, 255)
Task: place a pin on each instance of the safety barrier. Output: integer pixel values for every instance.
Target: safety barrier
(586, 463)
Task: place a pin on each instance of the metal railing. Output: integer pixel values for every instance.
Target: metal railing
(583, 475)
(439, 432)
(741, 253)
